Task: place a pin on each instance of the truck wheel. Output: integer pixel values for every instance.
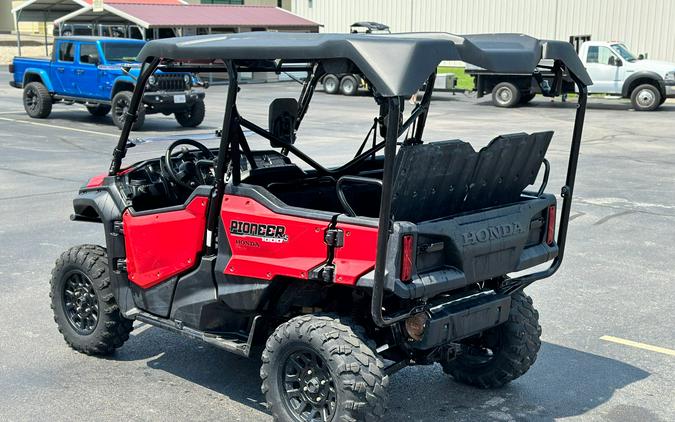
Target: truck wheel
(503, 353)
(318, 368)
(36, 100)
(349, 85)
(83, 303)
(331, 84)
(194, 117)
(99, 110)
(505, 94)
(120, 105)
(645, 97)
(526, 98)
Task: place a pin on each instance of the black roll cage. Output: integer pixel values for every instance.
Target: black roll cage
(233, 142)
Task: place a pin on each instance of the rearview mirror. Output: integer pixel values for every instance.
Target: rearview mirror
(618, 63)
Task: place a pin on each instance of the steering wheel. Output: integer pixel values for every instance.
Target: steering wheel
(188, 172)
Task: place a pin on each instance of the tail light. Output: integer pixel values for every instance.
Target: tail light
(550, 226)
(407, 258)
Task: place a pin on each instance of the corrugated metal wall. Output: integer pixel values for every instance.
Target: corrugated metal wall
(646, 26)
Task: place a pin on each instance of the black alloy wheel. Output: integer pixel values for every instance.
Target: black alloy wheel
(80, 303)
(309, 388)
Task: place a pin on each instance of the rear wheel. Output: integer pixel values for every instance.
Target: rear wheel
(36, 100)
(83, 303)
(505, 94)
(500, 354)
(526, 98)
(331, 84)
(349, 85)
(318, 368)
(120, 106)
(98, 110)
(645, 97)
(193, 117)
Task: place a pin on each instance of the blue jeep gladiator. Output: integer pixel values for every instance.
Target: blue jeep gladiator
(101, 73)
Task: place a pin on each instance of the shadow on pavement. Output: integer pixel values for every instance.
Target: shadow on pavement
(564, 382)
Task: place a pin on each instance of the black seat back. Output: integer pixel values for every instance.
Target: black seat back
(440, 179)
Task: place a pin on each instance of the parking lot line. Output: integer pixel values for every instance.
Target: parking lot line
(12, 112)
(7, 119)
(638, 345)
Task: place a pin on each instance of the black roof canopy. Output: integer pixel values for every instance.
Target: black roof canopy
(396, 65)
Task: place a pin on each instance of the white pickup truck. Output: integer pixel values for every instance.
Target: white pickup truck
(613, 68)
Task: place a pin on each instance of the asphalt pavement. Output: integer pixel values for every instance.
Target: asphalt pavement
(608, 349)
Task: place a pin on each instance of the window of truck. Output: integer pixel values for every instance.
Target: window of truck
(121, 52)
(66, 52)
(88, 54)
(624, 52)
(600, 55)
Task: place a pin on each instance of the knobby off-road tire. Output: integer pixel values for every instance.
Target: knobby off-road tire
(514, 346)
(193, 117)
(37, 101)
(98, 110)
(120, 105)
(346, 372)
(84, 306)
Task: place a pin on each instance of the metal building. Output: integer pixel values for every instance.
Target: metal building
(645, 26)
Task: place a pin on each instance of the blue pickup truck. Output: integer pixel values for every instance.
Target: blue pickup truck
(101, 73)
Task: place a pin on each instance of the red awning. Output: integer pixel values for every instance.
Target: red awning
(140, 1)
(204, 15)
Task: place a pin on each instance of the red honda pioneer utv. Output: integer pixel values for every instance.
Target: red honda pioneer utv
(341, 276)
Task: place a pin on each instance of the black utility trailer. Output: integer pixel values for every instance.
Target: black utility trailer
(340, 276)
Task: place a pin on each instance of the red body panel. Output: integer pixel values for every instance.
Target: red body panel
(96, 181)
(258, 253)
(357, 256)
(164, 244)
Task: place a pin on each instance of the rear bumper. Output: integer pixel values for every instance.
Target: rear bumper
(462, 318)
(165, 102)
(464, 250)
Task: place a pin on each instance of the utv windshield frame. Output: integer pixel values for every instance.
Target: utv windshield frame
(395, 66)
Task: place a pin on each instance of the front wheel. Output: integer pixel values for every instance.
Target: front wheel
(193, 117)
(36, 100)
(83, 303)
(120, 106)
(316, 368)
(503, 353)
(506, 95)
(645, 97)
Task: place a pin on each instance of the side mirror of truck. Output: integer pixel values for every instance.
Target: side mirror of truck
(618, 63)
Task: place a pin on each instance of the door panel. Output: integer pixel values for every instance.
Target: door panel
(606, 75)
(162, 245)
(63, 77)
(87, 73)
(264, 244)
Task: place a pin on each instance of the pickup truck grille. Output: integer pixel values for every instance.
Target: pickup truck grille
(171, 82)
